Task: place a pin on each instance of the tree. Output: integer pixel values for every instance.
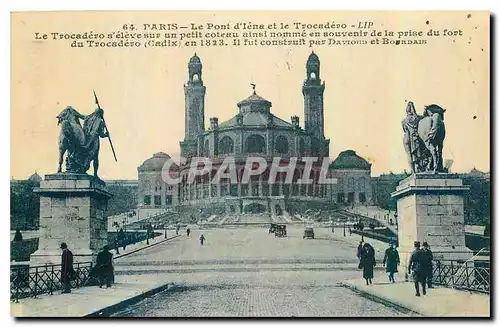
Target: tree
(477, 201)
(124, 199)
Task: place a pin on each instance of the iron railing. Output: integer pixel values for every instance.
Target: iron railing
(465, 275)
(28, 281)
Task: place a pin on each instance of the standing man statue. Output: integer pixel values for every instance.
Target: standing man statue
(423, 138)
(411, 140)
(94, 128)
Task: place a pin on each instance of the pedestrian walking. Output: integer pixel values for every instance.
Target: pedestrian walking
(202, 239)
(117, 245)
(416, 268)
(188, 231)
(367, 262)
(104, 263)
(67, 271)
(358, 251)
(428, 264)
(391, 261)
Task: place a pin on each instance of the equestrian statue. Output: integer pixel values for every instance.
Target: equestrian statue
(81, 143)
(423, 138)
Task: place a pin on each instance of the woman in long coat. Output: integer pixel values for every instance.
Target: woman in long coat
(367, 262)
(391, 260)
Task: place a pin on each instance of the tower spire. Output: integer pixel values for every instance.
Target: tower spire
(253, 87)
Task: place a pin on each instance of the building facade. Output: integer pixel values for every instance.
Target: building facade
(254, 131)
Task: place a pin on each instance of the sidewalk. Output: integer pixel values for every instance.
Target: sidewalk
(90, 300)
(439, 301)
(132, 248)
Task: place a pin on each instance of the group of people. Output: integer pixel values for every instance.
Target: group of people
(420, 264)
(103, 269)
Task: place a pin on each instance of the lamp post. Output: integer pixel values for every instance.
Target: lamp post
(333, 226)
(396, 217)
(344, 228)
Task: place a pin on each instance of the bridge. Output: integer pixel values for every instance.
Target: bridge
(237, 272)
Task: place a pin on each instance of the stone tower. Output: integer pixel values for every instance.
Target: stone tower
(194, 117)
(313, 90)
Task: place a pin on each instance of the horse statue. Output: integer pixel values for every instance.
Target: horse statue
(71, 140)
(424, 138)
(80, 143)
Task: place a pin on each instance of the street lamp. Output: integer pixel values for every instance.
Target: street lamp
(148, 228)
(344, 227)
(333, 226)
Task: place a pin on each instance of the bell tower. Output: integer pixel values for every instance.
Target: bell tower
(314, 123)
(194, 93)
(313, 91)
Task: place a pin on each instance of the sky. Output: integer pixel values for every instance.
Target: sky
(141, 90)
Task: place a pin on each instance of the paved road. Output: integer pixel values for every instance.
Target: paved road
(246, 272)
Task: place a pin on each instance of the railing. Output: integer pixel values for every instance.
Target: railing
(466, 275)
(33, 281)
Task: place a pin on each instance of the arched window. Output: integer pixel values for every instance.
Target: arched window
(157, 186)
(313, 75)
(195, 77)
(206, 149)
(281, 145)
(255, 144)
(302, 147)
(226, 145)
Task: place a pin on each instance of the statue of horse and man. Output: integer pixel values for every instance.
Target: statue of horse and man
(423, 138)
(81, 143)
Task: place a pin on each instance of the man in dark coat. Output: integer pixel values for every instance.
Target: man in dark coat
(67, 271)
(391, 258)
(428, 264)
(367, 262)
(104, 263)
(358, 251)
(416, 268)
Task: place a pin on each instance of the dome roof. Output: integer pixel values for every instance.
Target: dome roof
(195, 59)
(35, 178)
(156, 162)
(350, 160)
(254, 99)
(312, 58)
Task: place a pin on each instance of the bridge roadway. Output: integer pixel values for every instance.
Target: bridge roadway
(248, 272)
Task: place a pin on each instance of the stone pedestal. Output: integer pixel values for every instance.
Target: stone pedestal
(73, 209)
(431, 209)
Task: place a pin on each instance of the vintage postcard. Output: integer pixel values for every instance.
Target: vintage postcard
(250, 164)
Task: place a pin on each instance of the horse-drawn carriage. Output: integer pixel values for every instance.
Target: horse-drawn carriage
(280, 231)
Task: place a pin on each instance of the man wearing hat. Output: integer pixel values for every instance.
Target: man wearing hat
(104, 264)
(391, 261)
(416, 268)
(428, 264)
(67, 271)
